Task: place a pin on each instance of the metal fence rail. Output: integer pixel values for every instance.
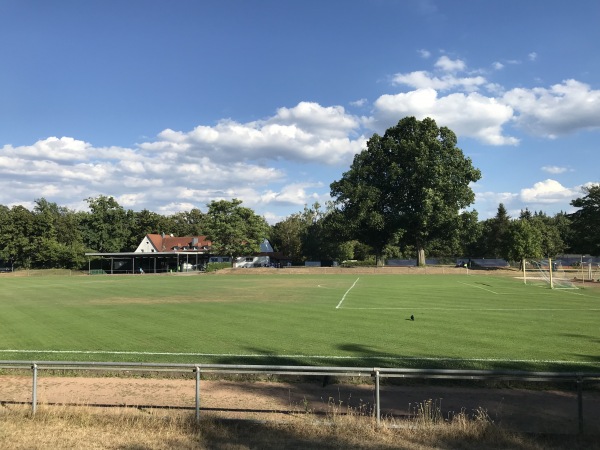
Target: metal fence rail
(375, 373)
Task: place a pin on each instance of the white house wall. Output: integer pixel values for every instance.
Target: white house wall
(145, 246)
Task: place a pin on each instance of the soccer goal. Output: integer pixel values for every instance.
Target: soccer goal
(547, 272)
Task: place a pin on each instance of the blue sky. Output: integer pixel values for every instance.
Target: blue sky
(169, 105)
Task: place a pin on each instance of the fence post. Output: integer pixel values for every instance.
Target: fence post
(34, 367)
(377, 398)
(197, 370)
(580, 403)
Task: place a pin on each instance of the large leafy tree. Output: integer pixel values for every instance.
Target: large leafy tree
(17, 245)
(523, 239)
(552, 242)
(57, 235)
(186, 223)
(562, 223)
(311, 234)
(286, 236)
(463, 242)
(586, 221)
(323, 238)
(234, 230)
(497, 243)
(411, 183)
(142, 223)
(106, 228)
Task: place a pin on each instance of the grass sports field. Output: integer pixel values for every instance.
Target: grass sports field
(461, 321)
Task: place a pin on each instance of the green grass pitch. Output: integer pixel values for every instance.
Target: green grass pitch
(461, 321)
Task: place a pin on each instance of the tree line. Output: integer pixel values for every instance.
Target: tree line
(404, 196)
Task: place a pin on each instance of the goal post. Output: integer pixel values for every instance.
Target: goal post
(546, 272)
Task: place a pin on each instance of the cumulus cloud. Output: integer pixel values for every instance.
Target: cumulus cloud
(67, 150)
(423, 79)
(359, 103)
(561, 109)
(547, 191)
(550, 112)
(471, 115)
(446, 80)
(449, 65)
(183, 169)
(293, 194)
(146, 180)
(307, 132)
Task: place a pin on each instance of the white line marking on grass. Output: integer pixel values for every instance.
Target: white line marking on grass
(346, 293)
(479, 309)
(479, 287)
(262, 355)
(575, 293)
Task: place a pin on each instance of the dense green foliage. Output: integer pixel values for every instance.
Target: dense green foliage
(586, 221)
(233, 229)
(461, 321)
(408, 186)
(51, 236)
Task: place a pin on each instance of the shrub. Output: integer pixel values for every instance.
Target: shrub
(213, 267)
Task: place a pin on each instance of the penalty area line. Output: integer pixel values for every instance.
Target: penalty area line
(346, 293)
(479, 287)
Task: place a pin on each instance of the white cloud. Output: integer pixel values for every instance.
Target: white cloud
(554, 169)
(359, 103)
(448, 65)
(292, 194)
(176, 207)
(488, 201)
(563, 108)
(314, 118)
(547, 191)
(307, 132)
(130, 200)
(498, 65)
(495, 198)
(532, 56)
(180, 170)
(425, 54)
(471, 115)
(423, 79)
(549, 112)
(52, 149)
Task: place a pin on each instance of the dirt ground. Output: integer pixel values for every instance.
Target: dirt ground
(538, 411)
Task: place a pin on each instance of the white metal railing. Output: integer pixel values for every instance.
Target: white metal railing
(375, 373)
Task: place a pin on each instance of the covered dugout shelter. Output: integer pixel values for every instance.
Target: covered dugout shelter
(156, 254)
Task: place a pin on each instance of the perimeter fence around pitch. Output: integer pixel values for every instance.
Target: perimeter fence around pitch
(575, 379)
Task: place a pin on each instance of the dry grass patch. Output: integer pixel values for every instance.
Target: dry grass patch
(63, 427)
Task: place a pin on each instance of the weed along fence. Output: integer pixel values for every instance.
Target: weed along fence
(574, 381)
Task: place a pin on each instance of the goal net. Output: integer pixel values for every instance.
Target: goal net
(553, 275)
